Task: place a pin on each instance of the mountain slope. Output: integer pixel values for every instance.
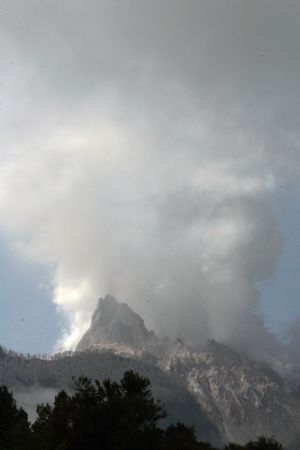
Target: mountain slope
(32, 379)
(226, 396)
(241, 397)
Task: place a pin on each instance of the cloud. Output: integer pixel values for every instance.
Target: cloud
(143, 148)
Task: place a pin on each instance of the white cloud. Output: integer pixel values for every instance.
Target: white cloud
(142, 148)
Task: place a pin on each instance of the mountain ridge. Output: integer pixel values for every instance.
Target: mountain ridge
(242, 397)
(225, 395)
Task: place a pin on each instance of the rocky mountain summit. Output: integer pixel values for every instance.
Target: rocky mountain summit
(114, 324)
(242, 398)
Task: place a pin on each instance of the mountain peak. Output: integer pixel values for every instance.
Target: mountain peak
(116, 323)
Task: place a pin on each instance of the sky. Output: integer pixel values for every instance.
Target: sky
(150, 150)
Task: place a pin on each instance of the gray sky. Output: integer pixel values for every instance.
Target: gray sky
(151, 150)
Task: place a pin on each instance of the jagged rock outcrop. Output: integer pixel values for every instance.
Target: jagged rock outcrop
(115, 323)
(241, 397)
(116, 327)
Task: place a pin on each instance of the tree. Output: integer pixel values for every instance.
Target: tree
(181, 437)
(109, 415)
(262, 443)
(14, 426)
(106, 416)
(52, 426)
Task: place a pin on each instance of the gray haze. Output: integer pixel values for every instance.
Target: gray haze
(30, 397)
(144, 147)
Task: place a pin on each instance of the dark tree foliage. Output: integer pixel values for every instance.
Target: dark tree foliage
(14, 427)
(181, 437)
(233, 446)
(108, 416)
(102, 416)
(262, 443)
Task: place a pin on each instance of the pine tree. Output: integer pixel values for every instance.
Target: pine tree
(14, 426)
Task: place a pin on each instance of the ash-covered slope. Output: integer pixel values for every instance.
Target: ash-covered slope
(241, 397)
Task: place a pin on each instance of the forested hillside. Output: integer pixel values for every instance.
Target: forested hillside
(29, 374)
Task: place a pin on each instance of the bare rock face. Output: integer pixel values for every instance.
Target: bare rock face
(243, 398)
(115, 324)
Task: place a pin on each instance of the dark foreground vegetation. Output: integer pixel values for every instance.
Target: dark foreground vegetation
(102, 416)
